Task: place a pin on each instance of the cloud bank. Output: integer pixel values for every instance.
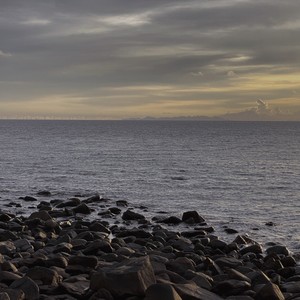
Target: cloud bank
(131, 58)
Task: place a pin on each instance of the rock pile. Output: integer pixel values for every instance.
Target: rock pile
(55, 253)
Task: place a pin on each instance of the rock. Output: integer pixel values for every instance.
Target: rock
(291, 287)
(218, 244)
(161, 291)
(180, 265)
(76, 289)
(129, 215)
(28, 286)
(5, 218)
(192, 215)
(138, 233)
(87, 261)
(257, 249)
(8, 277)
(234, 274)
(133, 276)
(7, 248)
(278, 249)
(231, 287)
(73, 202)
(47, 276)
(41, 215)
(44, 193)
(97, 226)
(29, 199)
(115, 210)
(4, 296)
(270, 291)
(15, 294)
(191, 291)
(122, 203)
(82, 209)
(171, 220)
(98, 245)
(230, 231)
(228, 262)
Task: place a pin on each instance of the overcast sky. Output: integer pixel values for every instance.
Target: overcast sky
(111, 59)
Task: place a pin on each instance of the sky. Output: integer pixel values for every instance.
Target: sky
(116, 59)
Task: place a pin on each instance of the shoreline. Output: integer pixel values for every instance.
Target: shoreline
(55, 253)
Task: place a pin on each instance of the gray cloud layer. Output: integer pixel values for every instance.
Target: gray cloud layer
(86, 51)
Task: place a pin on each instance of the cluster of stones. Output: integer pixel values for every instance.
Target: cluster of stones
(56, 254)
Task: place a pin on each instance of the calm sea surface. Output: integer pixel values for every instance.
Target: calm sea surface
(237, 174)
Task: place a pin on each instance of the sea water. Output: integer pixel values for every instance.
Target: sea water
(236, 174)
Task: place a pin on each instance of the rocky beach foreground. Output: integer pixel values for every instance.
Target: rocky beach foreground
(94, 248)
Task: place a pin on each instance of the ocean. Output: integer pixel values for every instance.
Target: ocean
(236, 174)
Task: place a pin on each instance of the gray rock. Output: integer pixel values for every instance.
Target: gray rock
(228, 262)
(191, 291)
(256, 248)
(192, 215)
(129, 215)
(8, 277)
(28, 286)
(161, 291)
(42, 215)
(45, 275)
(7, 248)
(231, 287)
(291, 287)
(87, 261)
(133, 276)
(82, 209)
(270, 291)
(76, 289)
(278, 249)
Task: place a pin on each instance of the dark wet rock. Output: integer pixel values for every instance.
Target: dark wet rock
(7, 248)
(131, 215)
(94, 199)
(98, 226)
(258, 277)
(28, 286)
(291, 287)
(8, 277)
(287, 272)
(82, 209)
(278, 249)
(191, 291)
(228, 262)
(45, 275)
(180, 265)
(73, 202)
(234, 274)
(133, 276)
(44, 193)
(77, 288)
(269, 291)
(192, 217)
(231, 287)
(256, 248)
(4, 296)
(5, 218)
(40, 215)
(29, 199)
(218, 244)
(98, 245)
(288, 261)
(171, 220)
(270, 223)
(122, 203)
(88, 261)
(230, 230)
(115, 210)
(15, 294)
(102, 294)
(138, 233)
(161, 291)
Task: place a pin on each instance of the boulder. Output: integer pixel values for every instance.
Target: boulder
(82, 209)
(192, 217)
(161, 291)
(278, 249)
(45, 275)
(191, 291)
(270, 291)
(133, 277)
(171, 220)
(41, 215)
(87, 261)
(28, 286)
(129, 215)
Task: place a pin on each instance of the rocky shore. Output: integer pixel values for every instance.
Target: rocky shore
(94, 248)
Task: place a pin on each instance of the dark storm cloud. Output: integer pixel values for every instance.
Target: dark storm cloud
(88, 47)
